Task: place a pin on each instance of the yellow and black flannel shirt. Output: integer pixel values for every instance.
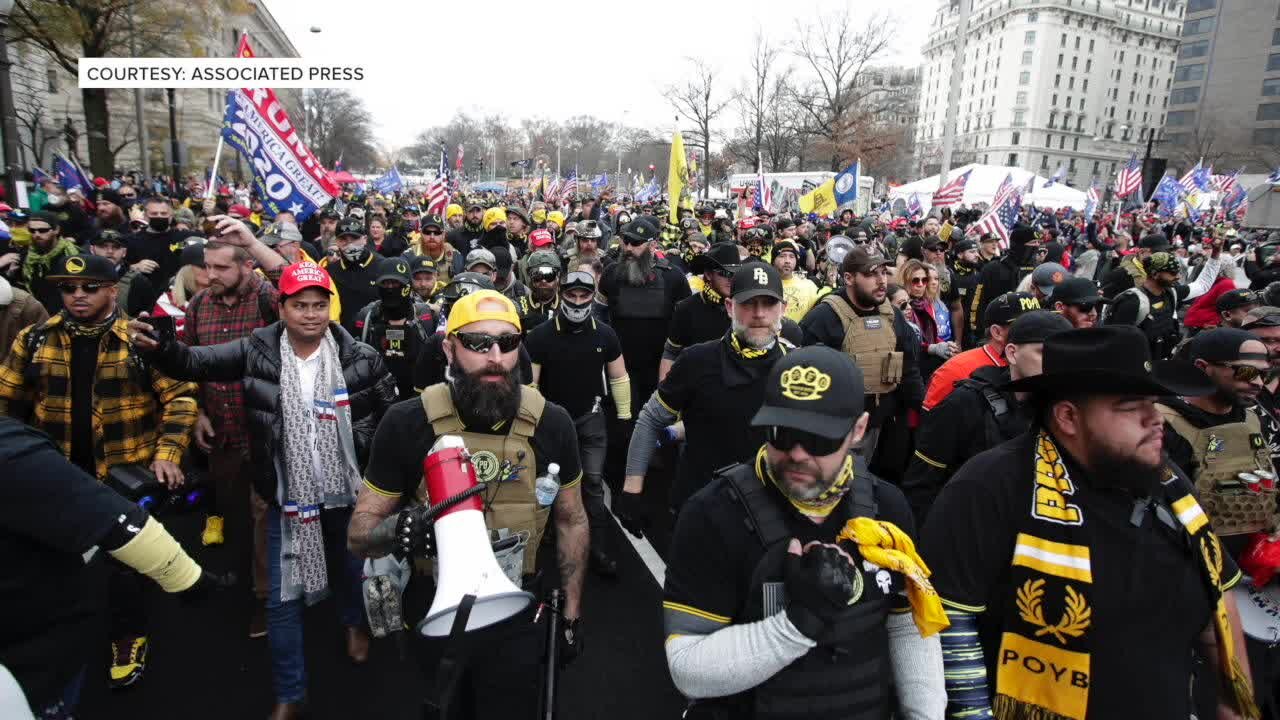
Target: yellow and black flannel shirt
(132, 424)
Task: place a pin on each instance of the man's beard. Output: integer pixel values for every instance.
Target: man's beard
(636, 270)
(486, 401)
(542, 294)
(1113, 469)
(809, 494)
(863, 299)
(227, 290)
(744, 334)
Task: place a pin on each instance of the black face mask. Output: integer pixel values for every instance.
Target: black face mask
(395, 301)
(158, 224)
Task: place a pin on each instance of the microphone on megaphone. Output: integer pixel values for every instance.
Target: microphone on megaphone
(464, 555)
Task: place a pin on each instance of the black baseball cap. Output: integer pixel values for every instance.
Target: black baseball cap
(193, 254)
(963, 245)
(720, 256)
(639, 231)
(813, 389)
(1036, 325)
(431, 220)
(786, 245)
(108, 236)
(1004, 309)
(1076, 291)
(85, 267)
(351, 226)
(422, 263)
(1222, 345)
(862, 259)
(394, 268)
(330, 214)
(756, 279)
(1023, 235)
(1236, 299)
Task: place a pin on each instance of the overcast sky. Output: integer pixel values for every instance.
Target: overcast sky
(554, 58)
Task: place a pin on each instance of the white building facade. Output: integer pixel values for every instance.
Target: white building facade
(1049, 83)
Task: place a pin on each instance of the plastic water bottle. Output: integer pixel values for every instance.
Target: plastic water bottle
(548, 486)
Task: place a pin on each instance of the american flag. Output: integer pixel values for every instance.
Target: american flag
(553, 190)
(1003, 214)
(438, 191)
(1224, 184)
(1129, 180)
(1197, 178)
(570, 186)
(951, 193)
(763, 194)
(1091, 200)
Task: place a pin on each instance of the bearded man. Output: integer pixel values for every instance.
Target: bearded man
(714, 387)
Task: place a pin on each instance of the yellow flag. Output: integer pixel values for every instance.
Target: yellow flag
(677, 173)
(821, 200)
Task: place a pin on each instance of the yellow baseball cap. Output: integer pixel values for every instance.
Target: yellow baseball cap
(556, 217)
(481, 305)
(453, 209)
(493, 216)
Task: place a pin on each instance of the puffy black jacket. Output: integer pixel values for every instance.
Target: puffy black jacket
(255, 359)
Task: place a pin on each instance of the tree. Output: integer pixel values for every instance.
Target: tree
(68, 30)
(696, 101)
(339, 125)
(759, 104)
(31, 112)
(836, 102)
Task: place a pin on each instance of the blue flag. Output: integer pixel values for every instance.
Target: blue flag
(846, 188)
(600, 182)
(70, 176)
(389, 183)
(39, 176)
(1169, 193)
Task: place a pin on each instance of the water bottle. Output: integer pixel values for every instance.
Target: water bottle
(547, 486)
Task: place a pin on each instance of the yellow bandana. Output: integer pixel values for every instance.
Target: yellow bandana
(884, 544)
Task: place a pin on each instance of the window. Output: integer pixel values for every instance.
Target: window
(1060, 59)
(1095, 167)
(1198, 27)
(1055, 99)
(1270, 111)
(52, 77)
(1021, 98)
(1048, 139)
(1013, 159)
(1131, 96)
(1271, 87)
(1075, 143)
(1084, 86)
(1029, 38)
(1071, 83)
(1024, 78)
(1033, 16)
(1091, 46)
(1273, 62)
(1196, 49)
(1044, 162)
(1071, 166)
(1181, 117)
(1266, 136)
(1077, 42)
(1198, 5)
(1015, 138)
(1080, 123)
(1063, 43)
(1019, 118)
(1088, 66)
(1184, 95)
(1062, 142)
(1057, 81)
(1189, 72)
(1081, 103)
(1026, 57)
(1275, 36)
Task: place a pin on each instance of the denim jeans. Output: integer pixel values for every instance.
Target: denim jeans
(284, 619)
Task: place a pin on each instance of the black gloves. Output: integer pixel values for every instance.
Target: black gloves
(571, 641)
(631, 513)
(819, 585)
(409, 532)
(205, 586)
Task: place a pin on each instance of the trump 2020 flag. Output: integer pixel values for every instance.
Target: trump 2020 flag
(389, 183)
(847, 185)
(286, 175)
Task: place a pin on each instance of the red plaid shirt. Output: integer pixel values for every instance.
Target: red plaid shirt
(211, 321)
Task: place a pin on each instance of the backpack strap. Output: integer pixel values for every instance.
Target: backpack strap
(763, 516)
(863, 492)
(998, 403)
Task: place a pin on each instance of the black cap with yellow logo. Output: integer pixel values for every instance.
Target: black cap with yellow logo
(84, 267)
(814, 389)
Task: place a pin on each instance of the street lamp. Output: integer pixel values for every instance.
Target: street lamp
(10, 125)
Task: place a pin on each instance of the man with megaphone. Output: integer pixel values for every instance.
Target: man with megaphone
(514, 440)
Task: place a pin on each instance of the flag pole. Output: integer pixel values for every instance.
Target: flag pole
(213, 172)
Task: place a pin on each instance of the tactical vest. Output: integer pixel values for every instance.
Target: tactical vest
(1222, 453)
(647, 302)
(871, 342)
(847, 675)
(1002, 422)
(514, 505)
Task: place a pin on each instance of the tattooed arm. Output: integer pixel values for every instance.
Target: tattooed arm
(373, 523)
(573, 539)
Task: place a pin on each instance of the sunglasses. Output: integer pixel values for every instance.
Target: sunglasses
(40, 229)
(1243, 373)
(543, 275)
(1085, 307)
(88, 288)
(919, 280)
(785, 438)
(633, 242)
(437, 231)
(481, 342)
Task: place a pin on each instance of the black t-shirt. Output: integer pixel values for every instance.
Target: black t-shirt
(84, 368)
(1148, 597)
(164, 248)
(50, 513)
(404, 437)
(714, 551)
(573, 363)
(357, 285)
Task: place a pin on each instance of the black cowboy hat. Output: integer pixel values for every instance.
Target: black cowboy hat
(1110, 360)
(720, 256)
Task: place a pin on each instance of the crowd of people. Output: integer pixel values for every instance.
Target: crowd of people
(919, 472)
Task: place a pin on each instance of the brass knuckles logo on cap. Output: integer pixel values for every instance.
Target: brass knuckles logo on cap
(75, 265)
(804, 383)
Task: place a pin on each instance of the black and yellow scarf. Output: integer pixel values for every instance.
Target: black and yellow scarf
(711, 296)
(820, 506)
(1046, 636)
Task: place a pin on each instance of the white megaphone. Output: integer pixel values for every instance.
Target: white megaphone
(464, 555)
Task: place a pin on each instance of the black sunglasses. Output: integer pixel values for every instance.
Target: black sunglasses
(1084, 307)
(40, 230)
(1243, 373)
(437, 231)
(89, 288)
(544, 275)
(633, 242)
(481, 342)
(785, 438)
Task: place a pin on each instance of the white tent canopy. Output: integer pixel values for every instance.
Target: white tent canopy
(982, 184)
